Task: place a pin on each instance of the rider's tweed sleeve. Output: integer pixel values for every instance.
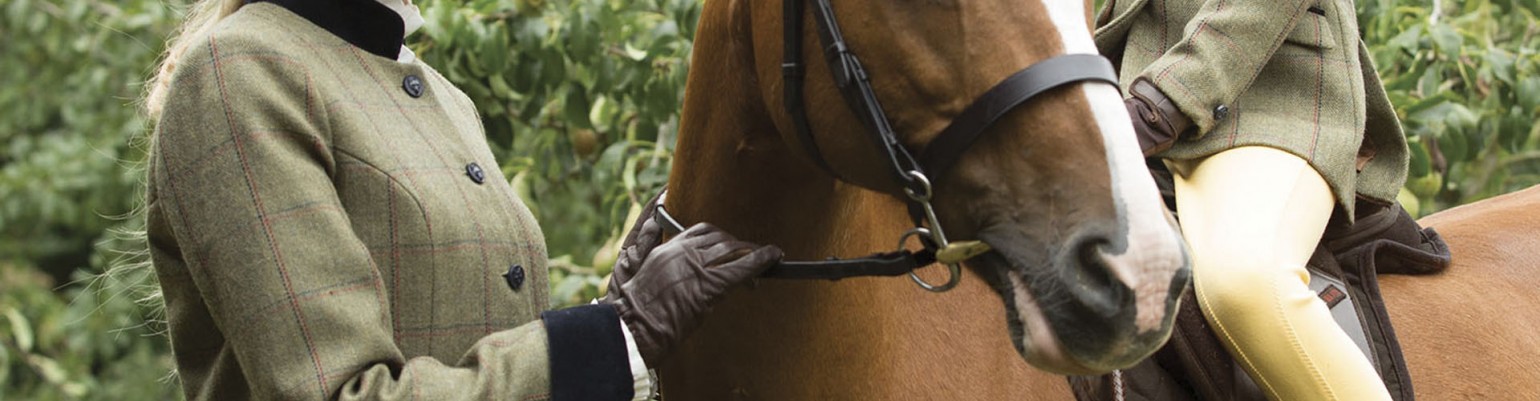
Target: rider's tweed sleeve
(274, 292)
(1224, 47)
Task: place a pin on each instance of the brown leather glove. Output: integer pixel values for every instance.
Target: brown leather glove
(645, 234)
(662, 293)
(1157, 121)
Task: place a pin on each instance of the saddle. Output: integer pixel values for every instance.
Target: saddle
(1194, 365)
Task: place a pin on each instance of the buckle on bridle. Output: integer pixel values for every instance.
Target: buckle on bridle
(934, 238)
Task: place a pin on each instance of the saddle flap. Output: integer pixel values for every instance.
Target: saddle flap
(1387, 240)
(1335, 293)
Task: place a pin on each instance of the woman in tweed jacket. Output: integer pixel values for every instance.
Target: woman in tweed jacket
(327, 221)
(1271, 117)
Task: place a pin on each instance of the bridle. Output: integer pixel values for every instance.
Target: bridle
(913, 175)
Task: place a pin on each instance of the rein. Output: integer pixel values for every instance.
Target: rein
(913, 175)
(896, 263)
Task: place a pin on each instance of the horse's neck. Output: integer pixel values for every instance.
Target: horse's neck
(731, 171)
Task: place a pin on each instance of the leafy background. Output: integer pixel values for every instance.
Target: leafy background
(580, 99)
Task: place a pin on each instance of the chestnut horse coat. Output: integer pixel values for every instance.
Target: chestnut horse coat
(1289, 74)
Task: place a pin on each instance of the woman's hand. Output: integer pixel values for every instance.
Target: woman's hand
(663, 291)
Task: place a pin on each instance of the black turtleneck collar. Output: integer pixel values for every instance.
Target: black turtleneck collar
(364, 23)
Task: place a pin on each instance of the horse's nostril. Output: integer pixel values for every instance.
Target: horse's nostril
(1095, 319)
(1090, 268)
(1091, 279)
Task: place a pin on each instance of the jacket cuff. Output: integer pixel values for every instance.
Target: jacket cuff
(588, 354)
(1203, 114)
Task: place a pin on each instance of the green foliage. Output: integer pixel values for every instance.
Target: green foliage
(1465, 80)
(83, 344)
(72, 71)
(580, 101)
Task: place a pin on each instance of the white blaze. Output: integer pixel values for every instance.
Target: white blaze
(1154, 247)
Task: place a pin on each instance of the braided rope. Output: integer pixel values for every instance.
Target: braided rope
(1117, 385)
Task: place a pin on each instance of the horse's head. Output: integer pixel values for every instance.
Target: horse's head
(1088, 262)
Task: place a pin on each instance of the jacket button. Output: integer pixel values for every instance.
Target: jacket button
(476, 173)
(1221, 112)
(413, 86)
(514, 277)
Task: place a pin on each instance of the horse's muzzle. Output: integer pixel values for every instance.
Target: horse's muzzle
(1105, 304)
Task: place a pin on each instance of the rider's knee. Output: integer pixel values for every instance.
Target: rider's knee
(1240, 278)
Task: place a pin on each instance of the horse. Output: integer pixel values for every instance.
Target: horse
(1086, 266)
(1469, 333)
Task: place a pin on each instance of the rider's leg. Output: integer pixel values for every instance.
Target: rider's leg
(1253, 215)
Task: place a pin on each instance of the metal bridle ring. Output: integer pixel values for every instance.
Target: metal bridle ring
(915, 176)
(953, 269)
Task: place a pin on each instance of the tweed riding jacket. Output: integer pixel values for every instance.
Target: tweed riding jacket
(327, 222)
(1288, 74)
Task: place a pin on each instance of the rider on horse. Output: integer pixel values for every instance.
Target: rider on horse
(1273, 122)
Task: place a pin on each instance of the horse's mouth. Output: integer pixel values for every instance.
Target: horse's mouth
(1039, 314)
(1030, 332)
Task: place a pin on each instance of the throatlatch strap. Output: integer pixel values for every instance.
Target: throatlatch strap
(794, 75)
(855, 86)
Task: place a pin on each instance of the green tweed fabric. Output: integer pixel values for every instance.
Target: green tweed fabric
(317, 235)
(1293, 75)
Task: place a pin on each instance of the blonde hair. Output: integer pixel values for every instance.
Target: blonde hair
(130, 271)
(201, 18)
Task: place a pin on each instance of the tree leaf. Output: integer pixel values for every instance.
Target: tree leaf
(1500, 63)
(1428, 84)
(1447, 40)
(1513, 131)
(576, 108)
(1420, 161)
(1455, 147)
(1528, 94)
(21, 329)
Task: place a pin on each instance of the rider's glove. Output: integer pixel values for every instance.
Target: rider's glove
(1157, 121)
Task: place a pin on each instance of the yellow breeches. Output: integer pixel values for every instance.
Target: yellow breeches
(1253, 215)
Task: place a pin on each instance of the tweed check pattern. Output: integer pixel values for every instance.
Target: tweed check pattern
(317, 237)
(1291, 74)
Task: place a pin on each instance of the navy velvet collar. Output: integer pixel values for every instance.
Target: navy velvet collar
(366, 24)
